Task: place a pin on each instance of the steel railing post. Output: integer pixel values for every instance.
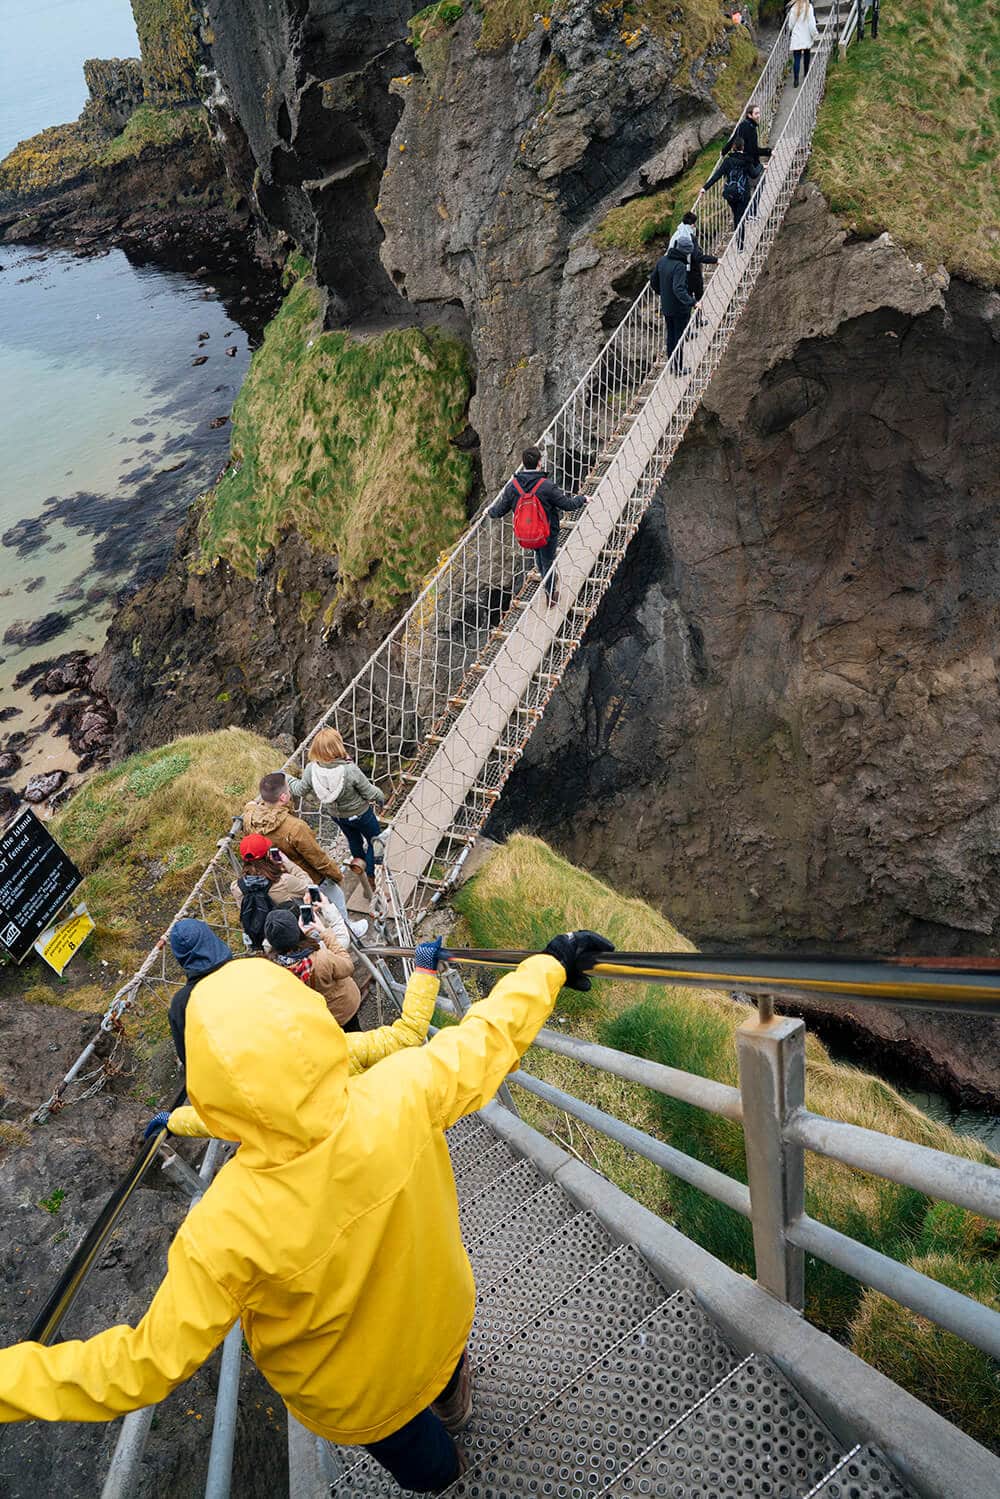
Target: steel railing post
(772, 1062)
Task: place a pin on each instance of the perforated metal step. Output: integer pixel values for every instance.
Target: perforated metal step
(516, 1380)
(753, 1437)
(508, 1242)
(862, 1474)
(514, 1300)
(497, 1201)
(606, 1416)
(478, 1170)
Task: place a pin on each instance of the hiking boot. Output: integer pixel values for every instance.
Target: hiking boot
(358, 927)
(456, 1411)
(378, 849)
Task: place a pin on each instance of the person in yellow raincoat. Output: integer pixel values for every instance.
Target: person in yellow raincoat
(333, 1231)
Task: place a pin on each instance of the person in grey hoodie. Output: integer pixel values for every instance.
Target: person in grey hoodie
(332, 777)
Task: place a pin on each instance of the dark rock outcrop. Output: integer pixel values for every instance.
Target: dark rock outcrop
(308, 85)
(501, 167)
(200, 650)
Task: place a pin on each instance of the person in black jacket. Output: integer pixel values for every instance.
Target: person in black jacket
(199, 952)
(552, 500)
(670, 281)
(747, 131)
(738, 185)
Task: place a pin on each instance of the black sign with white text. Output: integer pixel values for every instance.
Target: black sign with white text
(36, 878)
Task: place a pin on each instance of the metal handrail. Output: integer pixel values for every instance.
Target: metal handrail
(936, 1173)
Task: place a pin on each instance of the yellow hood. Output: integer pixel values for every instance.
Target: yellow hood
(266, 1061)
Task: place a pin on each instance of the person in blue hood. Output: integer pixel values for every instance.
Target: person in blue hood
(199, 952)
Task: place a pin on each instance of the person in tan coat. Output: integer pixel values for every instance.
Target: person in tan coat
(272, 816)
(317, 958)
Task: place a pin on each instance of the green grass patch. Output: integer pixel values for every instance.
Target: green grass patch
(157, 128)
(143, 831)
(434, 19)
(908, 135)
(523, 895)
(348, 441)
(654, 217)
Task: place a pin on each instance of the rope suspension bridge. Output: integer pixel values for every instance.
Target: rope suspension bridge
(687, 1373)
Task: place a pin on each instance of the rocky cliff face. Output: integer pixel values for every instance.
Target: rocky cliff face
(502, 165)
(476, 172)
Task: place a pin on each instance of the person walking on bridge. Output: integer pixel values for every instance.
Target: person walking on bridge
(338, 784)
(670, 282)
(737, 187)
(748, 131)
(537, 501)
(333, 1233)
(271, 815)
(685, 237)
(805, 35)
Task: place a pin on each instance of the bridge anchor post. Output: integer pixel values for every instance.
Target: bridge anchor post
(772, 1062)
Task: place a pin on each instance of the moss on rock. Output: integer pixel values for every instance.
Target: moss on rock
(54, 158)
(349, 442)
(156, 128)
(171, 49)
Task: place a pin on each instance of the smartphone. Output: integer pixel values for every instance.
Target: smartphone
(315, 895)
(306, 917)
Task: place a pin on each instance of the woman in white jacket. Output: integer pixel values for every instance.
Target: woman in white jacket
(805, 33)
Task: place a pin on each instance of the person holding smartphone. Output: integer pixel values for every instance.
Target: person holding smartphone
(313, 954)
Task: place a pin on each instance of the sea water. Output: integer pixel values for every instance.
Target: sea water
(105, 435)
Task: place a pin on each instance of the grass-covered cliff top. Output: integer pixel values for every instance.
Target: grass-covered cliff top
(141, 834)
(908, 136)
(525, 894)
(348, 441)
(156, 128)
(58, 156)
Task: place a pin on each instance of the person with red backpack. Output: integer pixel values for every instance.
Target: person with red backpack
(317, 958)
(536, 502)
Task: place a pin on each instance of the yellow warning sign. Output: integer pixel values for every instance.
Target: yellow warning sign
(58, 943)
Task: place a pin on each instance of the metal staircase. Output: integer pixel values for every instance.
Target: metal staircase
(592, 1378)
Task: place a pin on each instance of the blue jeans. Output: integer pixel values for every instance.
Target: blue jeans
(359, 831)
(421, 1455)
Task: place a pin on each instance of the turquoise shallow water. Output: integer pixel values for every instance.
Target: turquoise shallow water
(105, 429)
(105, 432)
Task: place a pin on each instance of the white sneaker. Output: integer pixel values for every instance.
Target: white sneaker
(358, 927)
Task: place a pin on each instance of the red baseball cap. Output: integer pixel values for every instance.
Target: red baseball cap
(254, 846)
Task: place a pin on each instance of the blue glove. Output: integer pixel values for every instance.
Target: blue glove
(427, 955)
(158, 1122)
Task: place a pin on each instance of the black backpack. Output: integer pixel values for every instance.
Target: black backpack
(256, 905)
(737, 183)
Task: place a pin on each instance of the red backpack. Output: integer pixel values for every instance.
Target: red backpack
(531, 524)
